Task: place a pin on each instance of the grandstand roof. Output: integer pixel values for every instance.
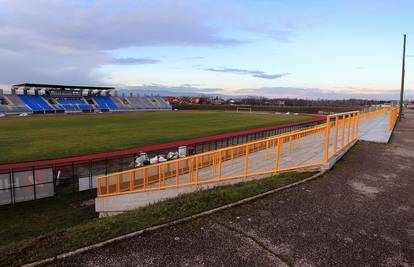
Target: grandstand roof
(60, 86)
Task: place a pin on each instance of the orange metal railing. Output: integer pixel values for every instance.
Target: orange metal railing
(312, 147)
(393, 117)
(345, 131)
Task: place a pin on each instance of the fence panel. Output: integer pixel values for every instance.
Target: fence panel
(44, 182)
(6, 196)
(23, 182)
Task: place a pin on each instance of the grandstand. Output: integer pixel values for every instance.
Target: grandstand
(52, 98)
(13, 105)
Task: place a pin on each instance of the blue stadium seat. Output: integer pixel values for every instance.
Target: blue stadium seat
(104, 102)
(35, 103)
(73, 104)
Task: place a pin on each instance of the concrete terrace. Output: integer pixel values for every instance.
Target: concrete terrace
(309, 149)
(375, 129)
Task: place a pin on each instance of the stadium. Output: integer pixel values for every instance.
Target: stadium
(64, 139)
(29, 98)
(75, 153)
(61, 138)
(206, 133)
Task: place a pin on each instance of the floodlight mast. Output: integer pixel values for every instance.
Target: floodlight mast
(402, 80)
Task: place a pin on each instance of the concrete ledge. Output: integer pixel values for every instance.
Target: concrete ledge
(392, 130)
(386, 138)
(112, 205)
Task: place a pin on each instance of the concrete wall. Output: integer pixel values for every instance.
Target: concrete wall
(111, 205)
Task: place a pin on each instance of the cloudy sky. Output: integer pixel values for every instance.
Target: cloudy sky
(302, 48)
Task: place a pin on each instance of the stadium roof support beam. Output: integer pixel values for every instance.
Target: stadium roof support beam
(61, 87)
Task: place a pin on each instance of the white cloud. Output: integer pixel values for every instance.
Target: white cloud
(253, 73)
(67, 41)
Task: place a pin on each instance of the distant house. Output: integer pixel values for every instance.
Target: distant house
(171, 99)
(231, 101)
(195, 100)
(280, 102)
(192, 100)
(217, 101)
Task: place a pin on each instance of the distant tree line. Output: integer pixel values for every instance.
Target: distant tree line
(262, 101)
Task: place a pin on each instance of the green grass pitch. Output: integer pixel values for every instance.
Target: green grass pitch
(47, 137)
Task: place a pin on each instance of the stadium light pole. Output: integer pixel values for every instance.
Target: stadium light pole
(402, 79)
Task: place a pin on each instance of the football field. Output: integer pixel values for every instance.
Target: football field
(48, 137)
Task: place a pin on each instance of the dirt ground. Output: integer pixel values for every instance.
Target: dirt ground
(361, 213)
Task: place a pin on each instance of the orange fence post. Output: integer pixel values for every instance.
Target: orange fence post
(351, 135)
(177, 175)
(336, 134)
(159, 176)
(98, 186)
(190, 169)
(162, 174)
(349, 128)
(219, 165)
(246, 161)
(107, 184)
(131, 181)
(277, 155)
(354, 127)
(267, 150)
(118, 182)
(196, 169)
(343, 131)
(328, 127)
(357, 126)
(394, 117)
(281, 143)
(211, 159)
(390, 121)
(145, 178)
